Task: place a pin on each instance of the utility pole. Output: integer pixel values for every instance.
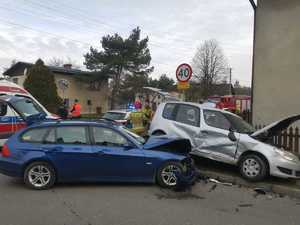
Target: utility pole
(230, 80)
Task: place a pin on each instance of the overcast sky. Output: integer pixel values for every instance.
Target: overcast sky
(30, 29)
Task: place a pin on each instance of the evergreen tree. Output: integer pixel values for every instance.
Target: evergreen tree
(41, 84)
(119, 58)
(131, 85)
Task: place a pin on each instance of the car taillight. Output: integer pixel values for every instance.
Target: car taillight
(5, 151)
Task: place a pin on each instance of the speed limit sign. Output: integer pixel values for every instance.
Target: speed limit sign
(184, 72)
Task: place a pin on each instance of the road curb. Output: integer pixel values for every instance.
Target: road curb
(292, 191)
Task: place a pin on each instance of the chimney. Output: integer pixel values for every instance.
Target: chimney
(68, 66)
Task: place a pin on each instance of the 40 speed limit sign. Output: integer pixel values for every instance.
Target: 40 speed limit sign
(184, 72)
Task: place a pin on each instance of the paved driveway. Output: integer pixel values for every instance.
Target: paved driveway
(91, 204)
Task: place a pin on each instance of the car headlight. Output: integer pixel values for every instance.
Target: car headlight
(287, 155)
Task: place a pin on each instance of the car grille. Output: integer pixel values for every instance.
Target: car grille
(285, 170)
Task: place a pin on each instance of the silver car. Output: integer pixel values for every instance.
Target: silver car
(225, 137)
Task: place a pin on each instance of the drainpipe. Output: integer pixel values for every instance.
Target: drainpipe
(253, 56)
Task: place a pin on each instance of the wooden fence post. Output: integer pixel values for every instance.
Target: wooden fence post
(290, 136)
(285, 139)
(296, 138)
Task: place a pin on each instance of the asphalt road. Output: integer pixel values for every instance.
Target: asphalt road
(123, 204)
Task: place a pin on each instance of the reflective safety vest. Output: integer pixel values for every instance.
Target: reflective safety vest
(76, 110)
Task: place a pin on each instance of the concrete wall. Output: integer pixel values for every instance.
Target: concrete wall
(276, 81)
(78, 90)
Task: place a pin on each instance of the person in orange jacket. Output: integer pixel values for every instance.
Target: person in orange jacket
(76, 109)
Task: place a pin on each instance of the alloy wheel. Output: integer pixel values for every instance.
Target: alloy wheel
(168, 175)
(39, 176)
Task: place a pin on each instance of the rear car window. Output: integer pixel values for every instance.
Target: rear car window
(71, 135)
(169, 111)
(216, 119)
(188, 114)
(34, 135)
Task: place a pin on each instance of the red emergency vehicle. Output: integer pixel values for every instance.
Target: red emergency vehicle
(233, 103)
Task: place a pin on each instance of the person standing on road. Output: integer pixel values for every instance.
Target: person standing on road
(147, 114)
(76, 109)
(138, 104)
(63, 111)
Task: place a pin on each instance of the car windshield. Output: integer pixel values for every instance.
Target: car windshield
(138, 138)
(239, 125)
(27, 107)
(114, 115)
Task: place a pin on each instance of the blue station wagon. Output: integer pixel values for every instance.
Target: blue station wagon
(79, 151)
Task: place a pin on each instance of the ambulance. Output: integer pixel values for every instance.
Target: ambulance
(18, 109)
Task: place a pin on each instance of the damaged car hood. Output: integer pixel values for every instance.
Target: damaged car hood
(275, 128)
(174, 145)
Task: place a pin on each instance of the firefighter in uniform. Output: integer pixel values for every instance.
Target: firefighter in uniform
(76, 109)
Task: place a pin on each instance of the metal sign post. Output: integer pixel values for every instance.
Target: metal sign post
(63, 84)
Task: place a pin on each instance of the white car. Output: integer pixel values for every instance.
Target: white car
(222, 136)
(119, 116)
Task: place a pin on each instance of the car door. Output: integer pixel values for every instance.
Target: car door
(186, 122)
(214, 141)
(116, 158)
(68, 147)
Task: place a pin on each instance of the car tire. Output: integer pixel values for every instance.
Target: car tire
(165, 175)
(253, 167)
(39, 176)
(158, 133)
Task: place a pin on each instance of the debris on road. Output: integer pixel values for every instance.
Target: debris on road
(169, 194)
(213, 188)
(245, 205)
(262, 191)
(219, 182)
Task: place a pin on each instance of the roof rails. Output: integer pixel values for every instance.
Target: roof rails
(102, 120)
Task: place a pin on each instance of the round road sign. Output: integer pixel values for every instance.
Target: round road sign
(63, 84)
(184, 72)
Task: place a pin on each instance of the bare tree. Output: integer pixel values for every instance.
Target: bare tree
(209, 65)
(55, 61)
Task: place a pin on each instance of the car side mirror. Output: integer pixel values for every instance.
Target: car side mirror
(231, 135)
(3, 109)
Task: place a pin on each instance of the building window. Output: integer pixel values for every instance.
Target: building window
(89, 102)
(15, 80)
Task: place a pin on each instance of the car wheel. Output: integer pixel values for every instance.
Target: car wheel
(39, 176)
(253, 167)
(166, 176)
(158, 133)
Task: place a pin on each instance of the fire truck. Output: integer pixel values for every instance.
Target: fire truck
(232, 103)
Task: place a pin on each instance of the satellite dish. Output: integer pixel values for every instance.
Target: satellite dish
(63, 84)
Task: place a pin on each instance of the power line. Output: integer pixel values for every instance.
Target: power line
(41, 31)
(155, 44)
(63, 37)
(31, 14)
(93, 20)
(54, 9)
